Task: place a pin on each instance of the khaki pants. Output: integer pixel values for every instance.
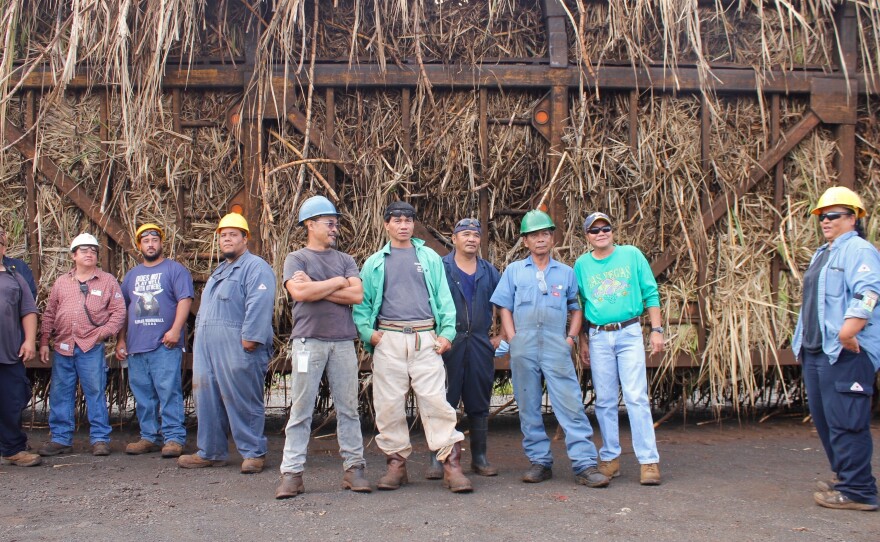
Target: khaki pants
(396, 366)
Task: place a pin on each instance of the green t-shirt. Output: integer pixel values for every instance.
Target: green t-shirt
(616, 288)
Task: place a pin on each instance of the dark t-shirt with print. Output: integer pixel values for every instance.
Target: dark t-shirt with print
(151, 295)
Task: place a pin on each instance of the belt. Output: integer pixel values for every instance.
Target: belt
(617, 325)
(405, 327)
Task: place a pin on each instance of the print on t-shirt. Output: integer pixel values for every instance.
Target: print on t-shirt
(147, 288)
(610, 285)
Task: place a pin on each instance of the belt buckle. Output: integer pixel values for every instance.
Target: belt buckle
(408, 329)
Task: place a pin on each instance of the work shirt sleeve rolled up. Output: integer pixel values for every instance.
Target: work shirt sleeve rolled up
(863, 279)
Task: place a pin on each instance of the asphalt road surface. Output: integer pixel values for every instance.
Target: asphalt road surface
(727, 481)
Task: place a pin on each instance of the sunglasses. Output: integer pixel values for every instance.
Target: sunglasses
(468, 223)
(598, 230)
(150, 233)
(542, 283)
(834, 215)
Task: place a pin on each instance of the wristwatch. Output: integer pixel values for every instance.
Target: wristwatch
(658, 329)
(572, 337)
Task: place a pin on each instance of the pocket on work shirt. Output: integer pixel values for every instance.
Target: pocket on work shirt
(557, 297)
(227, 289)
(835, 282)
(524, 297)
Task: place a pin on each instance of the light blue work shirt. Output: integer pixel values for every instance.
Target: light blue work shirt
(848, 288)
(518, 291)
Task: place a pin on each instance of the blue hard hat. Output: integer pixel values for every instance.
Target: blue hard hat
(316, 206)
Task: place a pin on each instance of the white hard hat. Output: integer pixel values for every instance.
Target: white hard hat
(83, 239)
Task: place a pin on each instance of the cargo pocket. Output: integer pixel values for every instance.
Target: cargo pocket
(851, 406)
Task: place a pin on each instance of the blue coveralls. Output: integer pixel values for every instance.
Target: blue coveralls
(539, 349)
(470, 363)
(228, 382)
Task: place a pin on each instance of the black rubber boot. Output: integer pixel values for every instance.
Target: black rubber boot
(435, 471)
(479, 434)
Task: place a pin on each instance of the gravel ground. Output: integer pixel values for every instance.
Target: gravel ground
(728, 481)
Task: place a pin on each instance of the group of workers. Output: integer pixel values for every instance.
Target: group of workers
(428, 323)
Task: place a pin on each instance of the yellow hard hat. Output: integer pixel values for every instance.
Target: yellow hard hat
(234, 220)
(840, 195)
(146, 227)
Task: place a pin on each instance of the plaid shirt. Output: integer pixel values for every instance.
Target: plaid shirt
(65, 318)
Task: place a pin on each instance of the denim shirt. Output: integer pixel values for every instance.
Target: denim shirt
(532, 309)
(848, 288)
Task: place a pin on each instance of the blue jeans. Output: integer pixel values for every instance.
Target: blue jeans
(91, 370)
(154, 379)
(617, 362)
(535, 352)
(340, 361)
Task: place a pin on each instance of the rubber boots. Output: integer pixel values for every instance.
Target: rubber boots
(435, 471)
(479, 435)
(453, 478)
(395, 476)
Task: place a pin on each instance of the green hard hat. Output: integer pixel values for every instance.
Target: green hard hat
(534, 221)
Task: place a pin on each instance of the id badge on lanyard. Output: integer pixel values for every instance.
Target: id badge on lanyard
(302, 358)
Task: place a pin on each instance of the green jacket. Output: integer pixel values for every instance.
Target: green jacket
(373, 276)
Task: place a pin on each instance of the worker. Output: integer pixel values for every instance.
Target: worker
(535, 297)
(85, 308)
(158, 294)
(18, 336)
(470, 363)
(233, 345)
(615, 286)
(837, 341)
(407, 320)
(324, 284)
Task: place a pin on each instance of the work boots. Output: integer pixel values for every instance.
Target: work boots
(650, 475)
(435, 471)
(610, 468)
(354, 480)
(143, 446)
(453, 478)
(291, 485)
(479, 436)
(395, 476)
(22, 459)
